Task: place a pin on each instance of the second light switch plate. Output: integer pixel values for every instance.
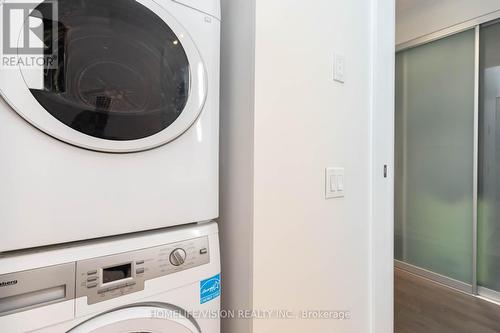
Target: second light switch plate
(334, 183)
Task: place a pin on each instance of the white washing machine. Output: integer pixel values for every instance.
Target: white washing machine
(161, 282)
(119, 133)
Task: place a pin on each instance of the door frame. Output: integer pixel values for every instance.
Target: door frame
(382, 60)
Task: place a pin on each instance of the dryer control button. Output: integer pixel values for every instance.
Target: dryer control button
(139, 270)
(92, 285)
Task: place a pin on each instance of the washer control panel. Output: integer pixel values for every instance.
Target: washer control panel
(112, 276)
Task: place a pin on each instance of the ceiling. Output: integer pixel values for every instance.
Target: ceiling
(404, 5)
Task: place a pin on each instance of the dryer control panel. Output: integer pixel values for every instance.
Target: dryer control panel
(112, 276)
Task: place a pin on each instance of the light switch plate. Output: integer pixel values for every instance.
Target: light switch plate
(334, 183)
(339, 68)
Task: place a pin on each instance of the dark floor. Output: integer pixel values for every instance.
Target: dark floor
(427, 307)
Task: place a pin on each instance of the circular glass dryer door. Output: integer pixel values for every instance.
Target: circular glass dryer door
(139, 319)
(122, 76)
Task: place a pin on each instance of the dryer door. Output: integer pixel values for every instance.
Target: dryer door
(139, 319)
(122, 75)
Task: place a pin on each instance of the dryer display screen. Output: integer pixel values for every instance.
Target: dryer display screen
(116, 273)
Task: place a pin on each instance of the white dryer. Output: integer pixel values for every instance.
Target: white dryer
(120, 132)
(162, 282)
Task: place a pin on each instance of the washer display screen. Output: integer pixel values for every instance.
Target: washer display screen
(116, 273)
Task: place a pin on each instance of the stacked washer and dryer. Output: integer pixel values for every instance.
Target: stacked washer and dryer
(109, 170)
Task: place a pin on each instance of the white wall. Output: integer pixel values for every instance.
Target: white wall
(311, 253)
(236, 158)
(416, 18)
(308, 253)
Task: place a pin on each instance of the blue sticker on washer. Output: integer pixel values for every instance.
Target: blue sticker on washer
(209, 289)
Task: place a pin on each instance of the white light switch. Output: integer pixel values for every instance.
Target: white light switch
(334, 183)
(339, 68)
(340, 183)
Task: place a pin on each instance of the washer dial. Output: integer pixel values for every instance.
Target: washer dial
(177, 257)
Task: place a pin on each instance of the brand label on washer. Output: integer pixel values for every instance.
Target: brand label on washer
(209, 289)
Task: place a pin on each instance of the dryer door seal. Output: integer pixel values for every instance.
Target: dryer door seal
(139, 319)
(117, 76)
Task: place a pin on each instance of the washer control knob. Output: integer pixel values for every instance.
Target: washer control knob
(177, 257)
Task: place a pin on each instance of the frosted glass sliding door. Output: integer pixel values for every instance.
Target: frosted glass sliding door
(434, 156)
(489, 160)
